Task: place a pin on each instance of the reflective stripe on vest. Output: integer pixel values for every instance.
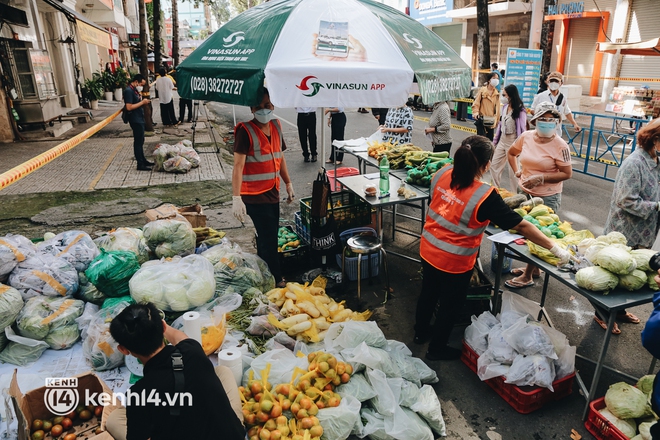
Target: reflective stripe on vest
(262, 165)
(446, 245)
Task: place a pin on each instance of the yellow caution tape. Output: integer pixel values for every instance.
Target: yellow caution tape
(19, 255)
(52, 282)
(22, 170)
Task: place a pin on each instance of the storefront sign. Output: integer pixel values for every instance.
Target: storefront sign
(114, 38)
(572, 8)
(93, 35)
(429, 12)
(134, 38)
(523, 69)
(43, 73)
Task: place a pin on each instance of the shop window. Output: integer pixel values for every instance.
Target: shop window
(15, 54)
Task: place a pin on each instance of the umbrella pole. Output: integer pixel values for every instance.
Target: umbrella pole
(323, 142)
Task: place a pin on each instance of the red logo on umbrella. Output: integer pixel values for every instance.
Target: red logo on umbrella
(304, 86)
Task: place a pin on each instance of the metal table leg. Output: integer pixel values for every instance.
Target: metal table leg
(497, 297)
(599, 363)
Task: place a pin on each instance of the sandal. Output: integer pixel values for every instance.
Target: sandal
(514, 283)
(615, 330)
(519, 271)
(628, 317)
(281, 284)
(329, 161)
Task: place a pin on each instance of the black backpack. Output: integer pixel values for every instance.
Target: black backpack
(124, 114)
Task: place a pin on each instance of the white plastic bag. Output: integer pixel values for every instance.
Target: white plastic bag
(517, 303)
(125, 239)
(408, 391)
(20, 350)
(476, 334)
(99, 347)
(13, 250)
(426, 374)
(168, 238)
(76, 247)
(358, 387)
(44, 274)
(406, 425)
(531, 370)
(350, 334)
(428, 407)
(338, 422)
(282, 363)
(177, 164)
(374, 358)
(528, 339)
(385, 401)
(510, 317)
(500, 350)
(375, 425)
(402, 356)
(565, 363)
(488, 367)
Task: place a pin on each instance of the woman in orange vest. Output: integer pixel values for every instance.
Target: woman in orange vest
(460, 208)
(258, 165)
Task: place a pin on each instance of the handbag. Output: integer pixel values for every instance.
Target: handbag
(124, 115)
(488, 121)
(324, 236)
(320, 194)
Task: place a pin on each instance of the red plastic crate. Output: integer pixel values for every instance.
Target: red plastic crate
(525, 399)
(599, 426)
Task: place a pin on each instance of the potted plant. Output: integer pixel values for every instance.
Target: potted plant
(108, 83)
(121, 81)
(93, 90)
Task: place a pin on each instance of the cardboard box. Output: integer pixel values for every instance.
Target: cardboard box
(194, 215)
(31, 406)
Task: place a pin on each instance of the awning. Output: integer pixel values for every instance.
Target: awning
(87, 29)
(644, 48)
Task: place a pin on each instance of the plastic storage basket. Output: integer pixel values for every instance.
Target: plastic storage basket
(350, 266)
(349, 210)
(523, 399)
(302, 231)
(340, 172)
(599, 426)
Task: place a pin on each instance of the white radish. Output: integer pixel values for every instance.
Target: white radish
(321, 323)
(299, 328)
(309, 308)
(295, 319)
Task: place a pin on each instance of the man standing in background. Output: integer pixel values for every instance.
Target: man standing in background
(165, 87)
(307, 131)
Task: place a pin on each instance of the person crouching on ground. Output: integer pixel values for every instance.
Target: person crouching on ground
(460, 208)
(207, 400)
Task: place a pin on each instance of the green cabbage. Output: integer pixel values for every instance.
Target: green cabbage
(596, 279)
(63, 337)
(645, 383)
(168, 238)
(19, 354)
(645, 430)
(32, 327)
(633, 281)
(642, 257)
(626, 402)
(11, 303)
(613, 237)
(627, 427)
(616, 260)
(650, 279)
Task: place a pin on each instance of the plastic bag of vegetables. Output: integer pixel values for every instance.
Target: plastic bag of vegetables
(217, 252)
(189, 154)
(44, 274)
(99, 347)
(635, 280)
(13, 250)
(52, 320)
(213, 328)
(125, 239)
(596, 278)
(177, 164)
(615, 259)
(76, 247)
(11, 304)
(21, 351)
(88, 291)
(175, 286)
(111, 271)
(241, 271)
(168, 238)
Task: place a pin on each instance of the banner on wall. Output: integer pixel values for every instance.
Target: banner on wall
(523, 69)
(430, 12)
(93, 35)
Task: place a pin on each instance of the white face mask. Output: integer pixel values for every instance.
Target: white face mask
(554, 86)
(139, 88)
(504, 100)
(494, 82)
(263, 115)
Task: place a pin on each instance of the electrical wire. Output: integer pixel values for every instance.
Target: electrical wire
(602, 20)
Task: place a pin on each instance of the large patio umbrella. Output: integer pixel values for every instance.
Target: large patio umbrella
(323, 53)
(644, 48)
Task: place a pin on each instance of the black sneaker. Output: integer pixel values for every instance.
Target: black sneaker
(314, 158)
(445, 354)
(306, 159)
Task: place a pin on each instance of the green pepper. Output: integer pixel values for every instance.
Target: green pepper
(559, 234)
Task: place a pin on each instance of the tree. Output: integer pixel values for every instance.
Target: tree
(144, 63)
(547, 32)
(175, 33)
(157, 40)
(483, 40)
(220, 10)
(243, 5)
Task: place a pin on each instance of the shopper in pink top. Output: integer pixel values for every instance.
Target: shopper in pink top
(545, 162)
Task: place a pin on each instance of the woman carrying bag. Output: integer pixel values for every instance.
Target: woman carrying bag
(486, 107)
(512, 124)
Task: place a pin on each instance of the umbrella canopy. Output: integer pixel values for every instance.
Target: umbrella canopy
(644, 48)
(323, 53)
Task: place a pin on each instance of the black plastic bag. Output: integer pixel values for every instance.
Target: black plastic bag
(324, 236)
(320, 195)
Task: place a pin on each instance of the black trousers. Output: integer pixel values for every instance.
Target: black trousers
(183, 103)
(461, 111)
(307, 131)
(380, 113)
(447, 292)
(266, 219)
(138, 143)
(337, 126)
(484, 131)
(441, 147)
(167, 113)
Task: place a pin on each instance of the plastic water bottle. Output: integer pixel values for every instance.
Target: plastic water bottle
(384, 175)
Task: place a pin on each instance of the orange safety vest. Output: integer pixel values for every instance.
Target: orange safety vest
(452, 234)
(264, 159)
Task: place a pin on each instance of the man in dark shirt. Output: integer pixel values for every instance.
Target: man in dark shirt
(204, 408)
(134, 103)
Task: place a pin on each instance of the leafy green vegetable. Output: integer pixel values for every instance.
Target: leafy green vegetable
(11, 303)
(596, 279)
(627, 427)
(168, 238)
(642, 258)
(633, 281)
(626, 402)
(645, 383)
(616, 260)
(63, 337)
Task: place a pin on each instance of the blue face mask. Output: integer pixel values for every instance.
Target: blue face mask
(263, 115)
(546, 129)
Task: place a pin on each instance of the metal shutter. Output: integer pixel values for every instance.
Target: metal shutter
(643, 25)
(499, 43)
(582, 37)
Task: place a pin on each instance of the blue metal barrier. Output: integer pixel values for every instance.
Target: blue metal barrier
(603, 143)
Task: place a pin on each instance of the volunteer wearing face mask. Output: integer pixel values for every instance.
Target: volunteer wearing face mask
(635, 203)
(554, 96)
(258, 164)
(486, 107)
(545, 162)
(134, 103)
(512, 124)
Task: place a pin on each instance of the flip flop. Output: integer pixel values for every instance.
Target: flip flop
(281, 284)
(512, 283)
(628, 317)
(519, 271)
(615, 330)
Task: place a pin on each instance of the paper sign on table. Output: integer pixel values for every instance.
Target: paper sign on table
(504, 237)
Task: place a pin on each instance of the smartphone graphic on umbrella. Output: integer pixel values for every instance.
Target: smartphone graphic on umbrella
(332, 39)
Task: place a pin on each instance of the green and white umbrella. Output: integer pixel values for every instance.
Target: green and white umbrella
(323, 53)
